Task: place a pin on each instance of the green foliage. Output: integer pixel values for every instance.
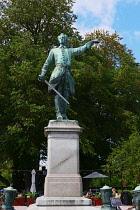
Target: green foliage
(107, 88)
(123, 162)
(30, 195)
(44, 20)
(5, 172)
(98, 182)
(28, 30)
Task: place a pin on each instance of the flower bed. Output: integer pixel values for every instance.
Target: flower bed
(96, 201)
(20, 201)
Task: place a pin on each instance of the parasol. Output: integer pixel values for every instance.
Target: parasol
(33, 188)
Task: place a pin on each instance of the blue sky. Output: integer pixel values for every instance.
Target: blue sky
(122, 16)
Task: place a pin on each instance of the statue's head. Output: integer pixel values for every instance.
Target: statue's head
(62, 38)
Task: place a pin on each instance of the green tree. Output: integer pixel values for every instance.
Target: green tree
(44, 20)
(123, 162)
(107, 86)
(28, 30)
(5, 172)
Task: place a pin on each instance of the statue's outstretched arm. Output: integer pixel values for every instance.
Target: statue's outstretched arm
(84, 48)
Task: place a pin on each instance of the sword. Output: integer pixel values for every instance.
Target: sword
(56, 91)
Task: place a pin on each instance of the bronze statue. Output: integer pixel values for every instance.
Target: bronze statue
(61, 78)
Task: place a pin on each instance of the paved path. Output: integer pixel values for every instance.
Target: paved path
(122, 207)
(98, 207)
(20, 207)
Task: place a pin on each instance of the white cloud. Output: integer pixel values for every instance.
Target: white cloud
(133, 1)
(96, 7)
(102, 10)
(137, 35)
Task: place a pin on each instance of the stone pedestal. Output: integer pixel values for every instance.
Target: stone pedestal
(63, 184)
(63, 179)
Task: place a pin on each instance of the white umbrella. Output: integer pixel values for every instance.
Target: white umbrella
(33, 188)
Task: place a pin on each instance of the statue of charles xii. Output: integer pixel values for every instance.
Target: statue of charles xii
(61, 78)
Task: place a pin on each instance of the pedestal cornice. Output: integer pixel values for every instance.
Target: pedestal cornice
(62, 126)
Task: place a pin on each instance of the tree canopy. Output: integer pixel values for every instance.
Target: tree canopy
(107, 87)
(28, 30)
(123, 162)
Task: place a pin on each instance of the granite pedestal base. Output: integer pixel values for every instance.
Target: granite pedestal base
(63, 179)
(63, 184)
(62, 203)
(33, 207)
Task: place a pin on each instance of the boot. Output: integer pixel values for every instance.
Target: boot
(57, 107)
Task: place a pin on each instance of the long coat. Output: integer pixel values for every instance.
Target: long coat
(62, 58)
